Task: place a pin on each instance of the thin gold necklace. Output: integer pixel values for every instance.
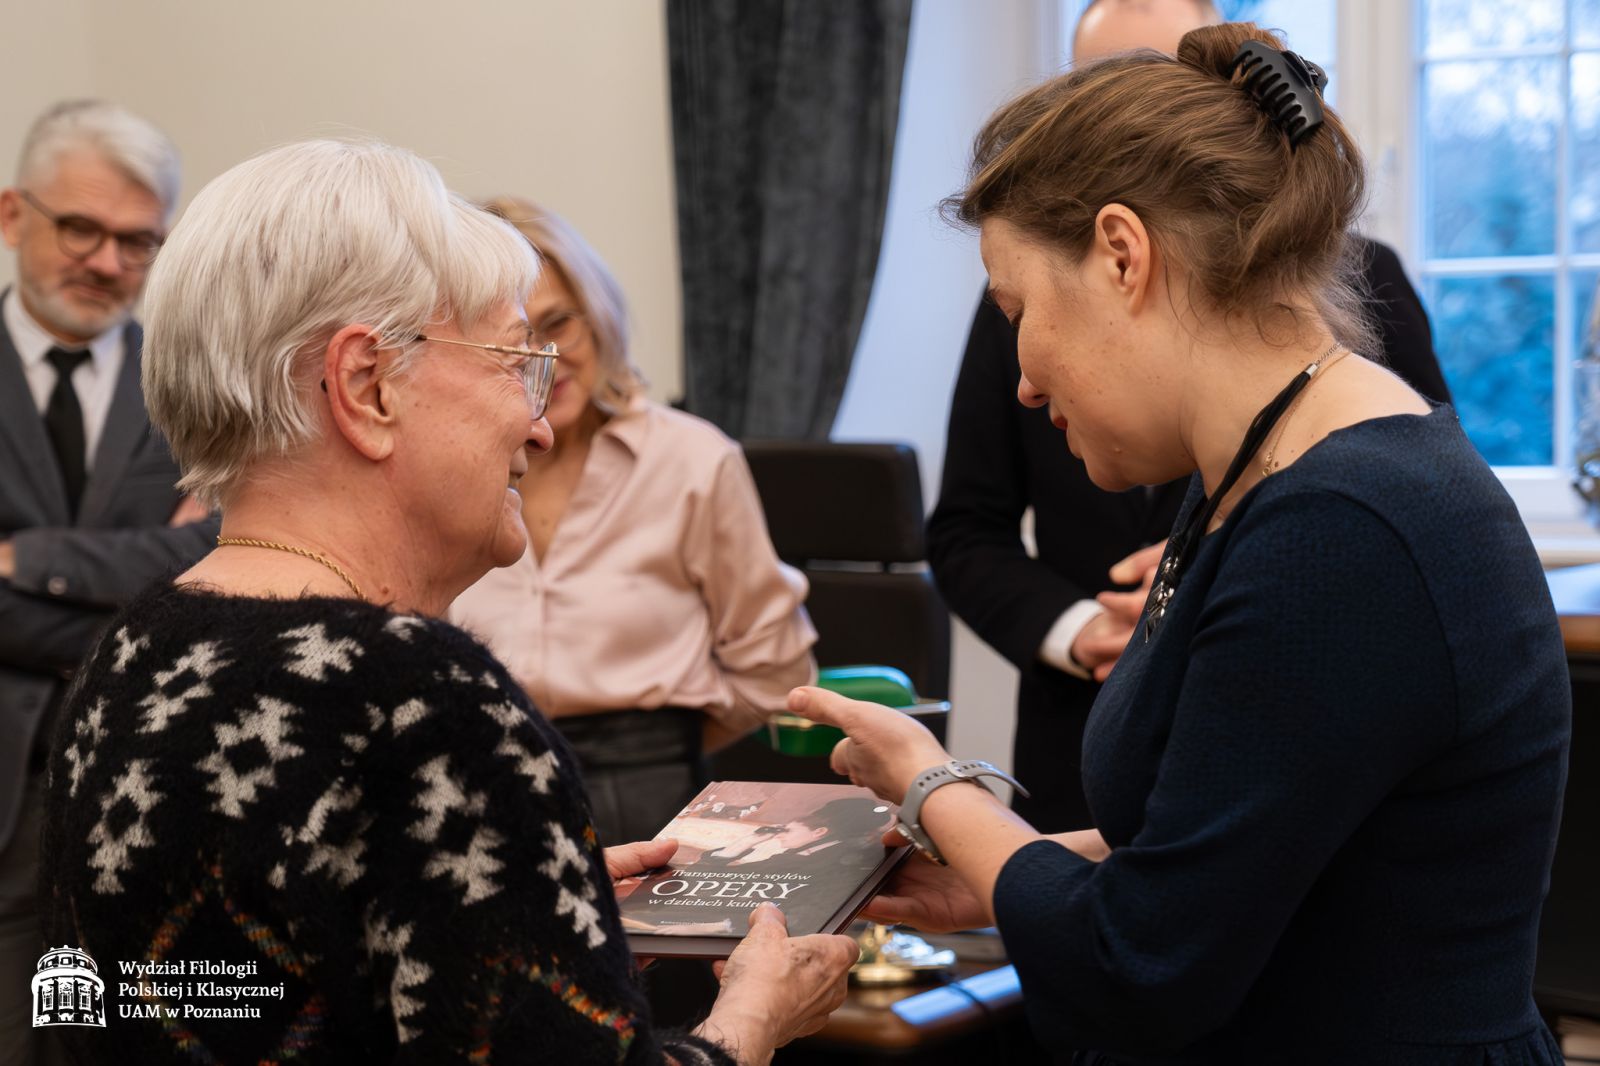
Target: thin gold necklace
(246, 542)
(1269, 462)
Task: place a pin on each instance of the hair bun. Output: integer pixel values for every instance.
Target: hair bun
(1211, 49)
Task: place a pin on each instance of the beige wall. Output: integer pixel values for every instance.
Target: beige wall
(559, 101)
(45, 57)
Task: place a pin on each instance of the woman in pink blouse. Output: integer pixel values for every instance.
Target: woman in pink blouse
(649, 618)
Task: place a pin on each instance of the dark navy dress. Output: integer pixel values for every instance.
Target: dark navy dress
(1331, 779)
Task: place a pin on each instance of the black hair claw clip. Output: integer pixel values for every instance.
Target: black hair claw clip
(1287, 86)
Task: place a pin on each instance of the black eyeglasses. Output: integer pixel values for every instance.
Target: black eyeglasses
(536, 368)
(80, 237)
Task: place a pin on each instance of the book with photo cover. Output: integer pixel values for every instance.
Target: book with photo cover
(816, 851)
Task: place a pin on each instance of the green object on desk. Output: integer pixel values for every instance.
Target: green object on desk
(873, 684)
(790, 734)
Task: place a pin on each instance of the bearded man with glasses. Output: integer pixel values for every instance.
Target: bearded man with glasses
(89, 512)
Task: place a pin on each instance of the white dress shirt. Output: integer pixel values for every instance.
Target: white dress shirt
(1056, 650)
(95, 380)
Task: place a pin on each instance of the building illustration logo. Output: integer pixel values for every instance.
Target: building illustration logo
(68, 990)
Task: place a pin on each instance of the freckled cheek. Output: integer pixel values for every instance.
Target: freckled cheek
(1035, 364)
(1050, 376)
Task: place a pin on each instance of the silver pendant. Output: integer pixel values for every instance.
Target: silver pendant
(1160, 596)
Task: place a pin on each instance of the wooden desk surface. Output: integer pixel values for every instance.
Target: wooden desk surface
(1576, 591)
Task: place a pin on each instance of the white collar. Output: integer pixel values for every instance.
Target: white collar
(33, 342)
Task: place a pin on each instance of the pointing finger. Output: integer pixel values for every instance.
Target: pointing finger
(829, 708)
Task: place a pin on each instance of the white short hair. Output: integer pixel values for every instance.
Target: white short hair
(278, 254)
(117, 135)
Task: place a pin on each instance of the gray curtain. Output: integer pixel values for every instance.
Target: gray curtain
(783, 121)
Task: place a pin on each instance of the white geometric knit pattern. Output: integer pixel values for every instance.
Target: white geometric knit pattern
(473, 870)
(162, 706)
(382, 939)
(87, 734)
(409, 714)
(315, 653)
(539, 770)
(404, 626)
(269, 723)
(442, 794)
(341, 859)
(127, 649)
(579, 906)
(111, 850)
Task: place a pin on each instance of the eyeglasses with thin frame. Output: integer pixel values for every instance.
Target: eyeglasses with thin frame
(80, 237)
(536, 367)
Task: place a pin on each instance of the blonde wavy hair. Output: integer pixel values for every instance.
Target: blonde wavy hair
(599, 297)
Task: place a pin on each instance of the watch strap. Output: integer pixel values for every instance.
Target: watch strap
(936, 777)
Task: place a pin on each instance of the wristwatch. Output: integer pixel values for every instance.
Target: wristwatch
(910, 821)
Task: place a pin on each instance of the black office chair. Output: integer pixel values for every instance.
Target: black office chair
(850, 516)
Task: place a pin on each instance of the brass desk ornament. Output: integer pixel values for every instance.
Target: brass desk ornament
(892, 956)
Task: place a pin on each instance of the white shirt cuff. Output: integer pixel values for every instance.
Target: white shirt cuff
(1057, 647)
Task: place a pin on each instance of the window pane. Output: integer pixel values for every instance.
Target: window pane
(1494, 336)
(1457, 25)
(1489, 146)
(1586, 21)
(1585, 330)
(1584, 200)
(1586, 382)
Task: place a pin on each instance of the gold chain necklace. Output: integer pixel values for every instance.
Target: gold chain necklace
(1270, 461)
(246, 542)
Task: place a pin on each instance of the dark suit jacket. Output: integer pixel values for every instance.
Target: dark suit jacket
(71, 575)
(1002, 458)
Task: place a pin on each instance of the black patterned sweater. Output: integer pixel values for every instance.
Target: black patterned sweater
(327, 832)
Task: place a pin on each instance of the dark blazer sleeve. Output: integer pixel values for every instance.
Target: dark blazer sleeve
(41, 637)
(105, 568)
(1402, 322)
(974, 541)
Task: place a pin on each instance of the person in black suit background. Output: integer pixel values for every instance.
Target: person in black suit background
(89, 508)
(1041, 612)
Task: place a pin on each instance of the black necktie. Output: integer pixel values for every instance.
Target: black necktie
(63, 421)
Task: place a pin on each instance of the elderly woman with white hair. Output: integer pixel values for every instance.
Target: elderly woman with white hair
(282, 772)
(650, 617)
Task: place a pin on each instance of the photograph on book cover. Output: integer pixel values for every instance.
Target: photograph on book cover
(815, 851)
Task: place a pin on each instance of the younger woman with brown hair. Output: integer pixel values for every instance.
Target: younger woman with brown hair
(1327, 770)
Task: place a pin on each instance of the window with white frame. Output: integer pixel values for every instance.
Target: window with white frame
(1508, 226)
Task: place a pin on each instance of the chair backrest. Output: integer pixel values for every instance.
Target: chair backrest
(850, 516)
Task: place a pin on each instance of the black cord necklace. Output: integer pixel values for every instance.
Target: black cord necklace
(1187, 539)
